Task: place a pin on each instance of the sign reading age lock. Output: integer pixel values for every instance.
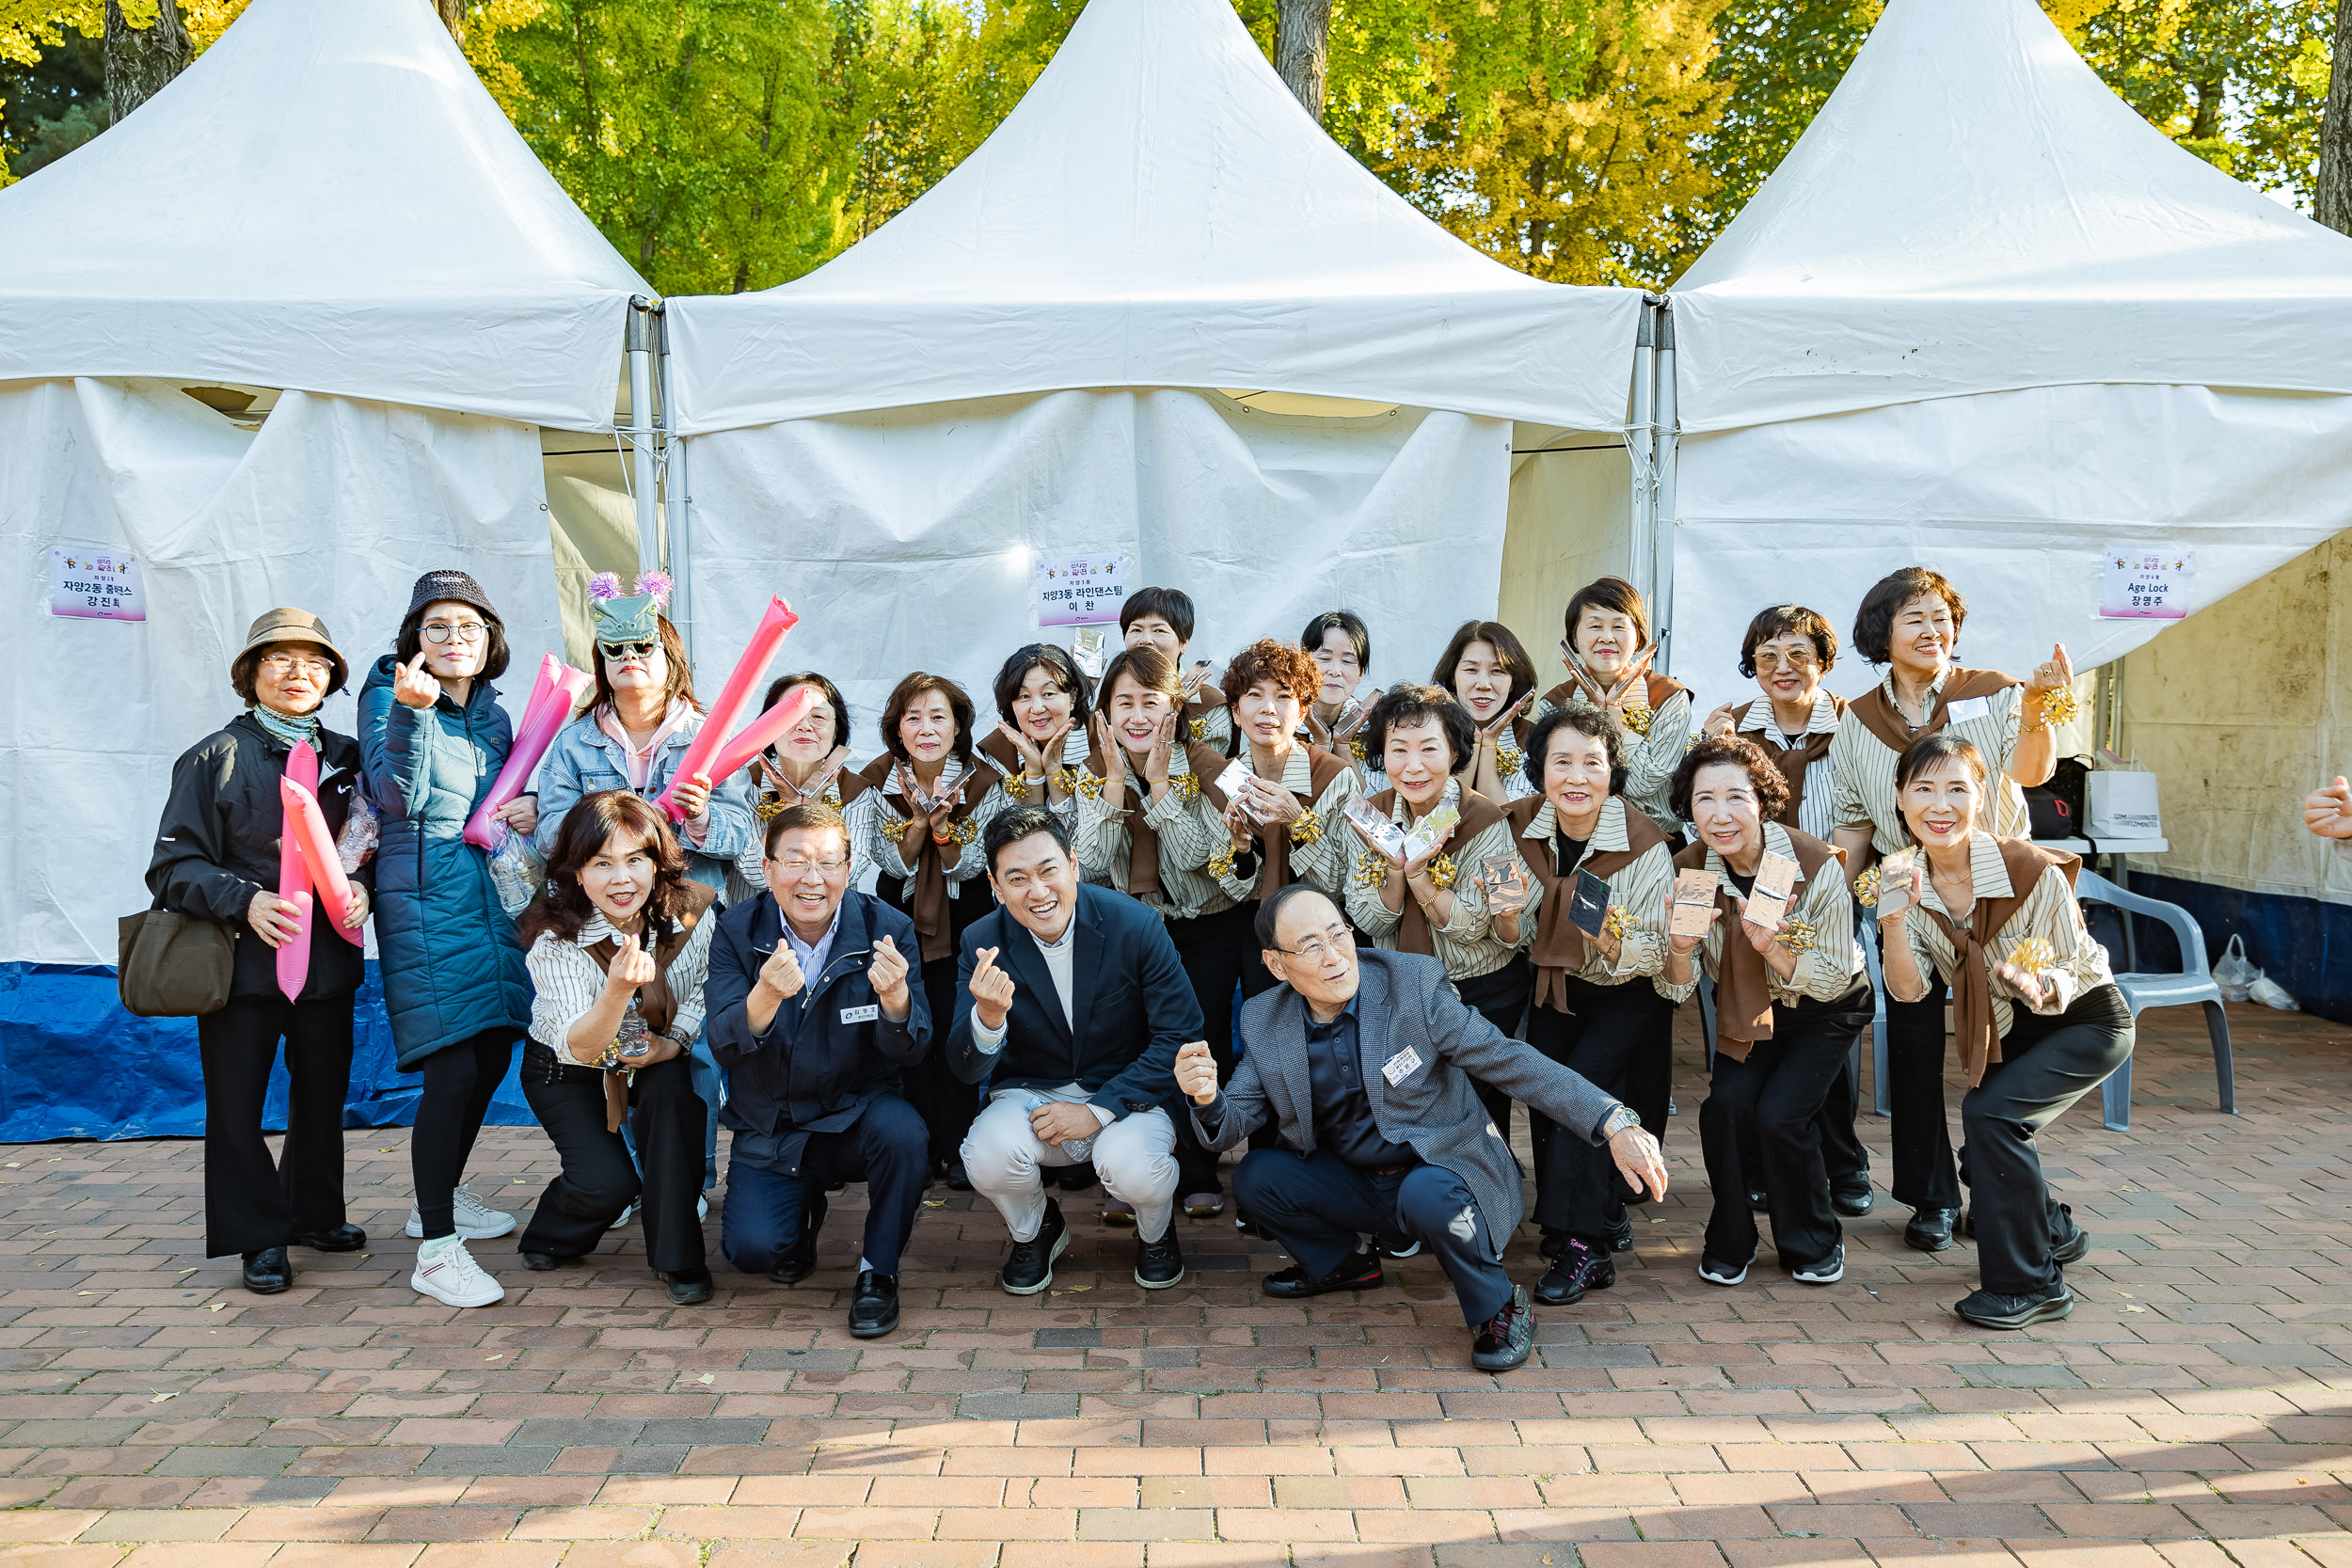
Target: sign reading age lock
(95, 584)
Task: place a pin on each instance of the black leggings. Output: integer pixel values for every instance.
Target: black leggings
(459, 1081)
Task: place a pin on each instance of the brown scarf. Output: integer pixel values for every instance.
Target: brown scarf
(654, 1004)
(1793, 762)
(1008, 762)
(1143, 840)
(1558, 950)
(775, 795)
(1878, 714)
(1979, 1041)
(1658, 689)
(926, 904)
(1413, 934)
(1743, 994)
(1274, 839)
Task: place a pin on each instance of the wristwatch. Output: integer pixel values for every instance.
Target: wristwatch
(1618, 1120)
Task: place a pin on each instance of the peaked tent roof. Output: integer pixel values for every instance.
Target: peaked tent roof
(328, 200)
(1973, 211)
(1156, 211)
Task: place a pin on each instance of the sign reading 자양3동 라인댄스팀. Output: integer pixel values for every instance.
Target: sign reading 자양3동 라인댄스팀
(1076, 590)
(95, 584)
(2145, 585)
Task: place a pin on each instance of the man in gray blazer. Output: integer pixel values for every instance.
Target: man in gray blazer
(1365, 1063)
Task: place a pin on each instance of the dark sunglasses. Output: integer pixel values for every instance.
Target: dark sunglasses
(625, 650)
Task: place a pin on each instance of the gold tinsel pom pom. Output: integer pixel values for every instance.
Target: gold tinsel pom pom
(1637, 717)
(1442, 871)
(1089, 786)
(1017, 787)
(1185, 787)
(766, 806)
(1620, 923)
(1797, 935)
(1508, 759)
(1866, 887)
(2034, 954)
(1221, 863)
(1306, 830)
(963, 831)
(1357, 746)
(1371, 870)
(1072, 780)
(2059, 706)
(1200, 729)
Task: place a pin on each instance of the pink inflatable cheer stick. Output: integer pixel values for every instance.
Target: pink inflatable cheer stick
(731, 704)
(550, 710)
(307, 826)
(764, 731)
(294, 877)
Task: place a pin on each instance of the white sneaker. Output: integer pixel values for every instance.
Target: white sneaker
(475, 1223)
(452, 1278)
(627, 1214)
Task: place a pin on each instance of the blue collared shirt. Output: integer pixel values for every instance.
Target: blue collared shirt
(811, 959)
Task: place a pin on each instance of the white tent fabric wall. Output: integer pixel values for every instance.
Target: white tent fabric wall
(334, 505)
(905, 539)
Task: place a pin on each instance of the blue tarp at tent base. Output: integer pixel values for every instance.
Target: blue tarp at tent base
(74, 1065)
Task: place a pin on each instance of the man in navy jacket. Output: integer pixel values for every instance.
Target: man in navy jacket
(1072, 1004)
(810, 1013)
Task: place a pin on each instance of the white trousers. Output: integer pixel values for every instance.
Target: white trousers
(1135, 1156)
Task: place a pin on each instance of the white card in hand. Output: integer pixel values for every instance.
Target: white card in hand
(1400, 1067)
(1233, 782)
(1895, 884)
(1384, 836)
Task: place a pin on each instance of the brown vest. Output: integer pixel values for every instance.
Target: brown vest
(654, 1004)
(1274, 840)
(1558, 950)
(1791, 761)
(1972, 1032)
(1743, 996)
(927, 903)
(1143, 840)
(1879, 717)
(1657, 690)
(1413, 934)
(846, 782)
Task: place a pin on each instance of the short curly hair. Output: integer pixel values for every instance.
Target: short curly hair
(1287, 665)
(1733, 750)
(1412, 704)
(1585, 720)
(1789, 620)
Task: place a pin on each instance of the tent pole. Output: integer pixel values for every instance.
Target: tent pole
(1662, 514)
(675, 503)
(645, 478)
(1640, 441)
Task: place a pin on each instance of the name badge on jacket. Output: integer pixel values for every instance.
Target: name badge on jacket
(866, 1014)
(1970, 707)
(1400, 1067)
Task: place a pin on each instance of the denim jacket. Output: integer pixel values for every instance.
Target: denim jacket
(584, 760)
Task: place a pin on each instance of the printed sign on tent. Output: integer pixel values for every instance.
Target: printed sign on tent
(95, 585)
(1080, 590)
(2145, 585)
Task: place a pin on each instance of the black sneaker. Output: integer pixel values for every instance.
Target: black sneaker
(1716, 1271)
(1584, 1266)
(343, 1238)
(2068, 1240)
(1853, 1198)
(542, 1262)
(1988, 1310)
(1504, 1339)
(1620, 1235)
(1359, 1271)
(1930, 1230)
(1078, 1177)
(1029, 1267)
(874, 1305)
(687, 1287)
(1758, 1199)
(802, 1260)
(268, 1271)
(1828, 1271)
(1161, 1263)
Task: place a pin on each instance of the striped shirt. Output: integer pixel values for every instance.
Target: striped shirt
(1325, 860)
(568, 982)
(1190, 832)
(1650, 759)
(1825, 971)
(2049, 913)
(1863, 766)
(1640, 888)
(885, 828)
(1817, 813)
(1465, 943)
(748, 864)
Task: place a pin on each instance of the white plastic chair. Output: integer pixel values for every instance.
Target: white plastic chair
(2194, 983)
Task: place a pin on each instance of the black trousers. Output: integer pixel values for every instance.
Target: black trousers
(1215, 949)
(2046, 1065)
(598, 1180)
(1615, 1036)
(1767, 1110)
(1316, 1205)
(459, 1081)
(1842, 1154)
(1500, 999)
(1925, 1174)
(252, 1202)
(767, 1204)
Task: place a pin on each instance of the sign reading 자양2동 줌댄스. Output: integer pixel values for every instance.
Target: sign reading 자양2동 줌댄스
(1077, 591)
(95, 585)
(2145, 585)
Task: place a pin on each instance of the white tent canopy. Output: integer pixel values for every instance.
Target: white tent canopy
(326, 200)
(1156, 212)
(1986, 319)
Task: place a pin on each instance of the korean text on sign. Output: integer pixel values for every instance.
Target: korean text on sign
(1081, 590)
(95, 585)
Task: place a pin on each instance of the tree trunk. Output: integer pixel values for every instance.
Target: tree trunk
(141, 60)
(1302, 49)
(2334, 205)
(453, 15)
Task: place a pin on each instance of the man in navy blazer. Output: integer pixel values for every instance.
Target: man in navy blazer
(1073, 1003)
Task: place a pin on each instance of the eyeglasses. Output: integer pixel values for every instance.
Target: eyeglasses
(618, 651)
(280, 664)
(1800, 659)
(438, 632)
(796, 869)
(1315, 949)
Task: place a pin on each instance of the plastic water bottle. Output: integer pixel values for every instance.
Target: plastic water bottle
(1077, 1149)
(632, 1034)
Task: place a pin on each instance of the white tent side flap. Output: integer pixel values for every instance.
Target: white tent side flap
(328, 199)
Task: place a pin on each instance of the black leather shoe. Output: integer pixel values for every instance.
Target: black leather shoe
(1580, 1267)
(2068, 1240)
(1854, 1200)
(1758, 1199)
(1161, 1263)
(1930, 1230)
(1988, 1310)
(1359, 1271)
(1620, 1235)
(687, 1287)
(268, 1272)
(541, 1262)
(874, 1305)
(957, 1180)
(343, 1238)
(802, 1260)
(1504, 1340)
(1029, 1267)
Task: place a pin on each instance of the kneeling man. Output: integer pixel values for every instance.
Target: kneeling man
(1366, 1062)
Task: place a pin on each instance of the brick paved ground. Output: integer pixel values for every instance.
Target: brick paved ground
(2191, 1412)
